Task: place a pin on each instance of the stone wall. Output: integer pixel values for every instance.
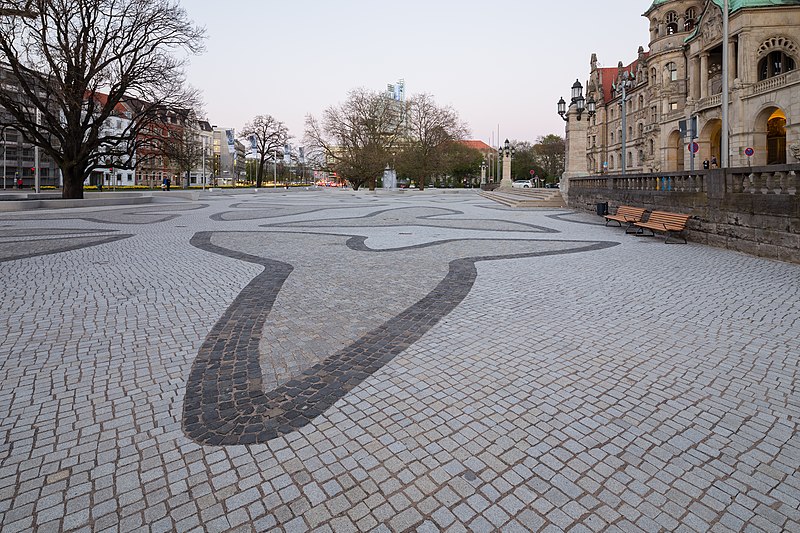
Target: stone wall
(752, 210)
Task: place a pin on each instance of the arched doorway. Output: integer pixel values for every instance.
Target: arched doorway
(710, 141)
(776, 138)
(769, 137)
(675, 152)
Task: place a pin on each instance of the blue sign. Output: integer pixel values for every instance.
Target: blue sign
(749, 152)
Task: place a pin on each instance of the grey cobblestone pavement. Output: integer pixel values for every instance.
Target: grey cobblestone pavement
(338, 361)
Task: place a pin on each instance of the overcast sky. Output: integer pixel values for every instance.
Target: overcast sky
(503, 63)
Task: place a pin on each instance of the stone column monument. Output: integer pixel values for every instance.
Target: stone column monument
(576, 144)
(506, 152)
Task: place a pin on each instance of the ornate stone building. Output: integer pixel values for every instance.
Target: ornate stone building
(679, 80)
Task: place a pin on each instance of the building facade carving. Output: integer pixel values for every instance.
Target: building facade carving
(678, 80)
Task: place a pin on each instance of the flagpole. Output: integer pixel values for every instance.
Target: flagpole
(724, 149)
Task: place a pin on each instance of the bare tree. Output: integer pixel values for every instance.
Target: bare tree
(270, 135)
(430, 132)
(74, 61)
(357, 136)
(20, 8)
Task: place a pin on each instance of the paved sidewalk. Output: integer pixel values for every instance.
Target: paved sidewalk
(346, 361)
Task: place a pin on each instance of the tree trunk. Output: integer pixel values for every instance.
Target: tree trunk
(73, 184)
(259, 175)
(372, 182)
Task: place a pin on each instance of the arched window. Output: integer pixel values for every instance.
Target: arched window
(672, 23)
(776, 63)
(611, 161)
(641, 158)
(630, 132)
(689, 18)
(612, 137)
(641, 129)
(672, 70)
(641, 101)
(653, 73)
(652, 147)
(629, 161)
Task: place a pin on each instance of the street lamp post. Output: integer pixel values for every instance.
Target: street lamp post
(483, 172)
(621, 89)
(275, 172)
(5, 148)
(724, 148)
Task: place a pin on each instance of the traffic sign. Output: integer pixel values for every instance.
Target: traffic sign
(749, 152)
(533, 172)
(693, 147)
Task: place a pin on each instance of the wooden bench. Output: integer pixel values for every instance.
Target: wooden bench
(627, 214)
(671, 224)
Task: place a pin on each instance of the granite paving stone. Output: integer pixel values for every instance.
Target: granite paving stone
(338, 360)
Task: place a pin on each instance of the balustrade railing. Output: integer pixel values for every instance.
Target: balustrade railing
(775, 179)
(782, 179)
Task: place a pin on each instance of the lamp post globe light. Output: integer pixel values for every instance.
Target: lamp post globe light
(575, 161)
(580, 103)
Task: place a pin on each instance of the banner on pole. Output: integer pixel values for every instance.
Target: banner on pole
(231, 145)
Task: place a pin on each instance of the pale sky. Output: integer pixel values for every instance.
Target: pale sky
(503, 63)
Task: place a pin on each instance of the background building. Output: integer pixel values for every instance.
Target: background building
(678, 81)
(18, 155)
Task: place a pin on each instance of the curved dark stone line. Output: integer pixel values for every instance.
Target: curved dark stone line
(155, 214)
(431, 217)
(225, 403)
(53, 233)
(218, 217)
(102, 240)
(560, 217)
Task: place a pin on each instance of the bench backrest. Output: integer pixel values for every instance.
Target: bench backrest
(668, 219)
(630, 212)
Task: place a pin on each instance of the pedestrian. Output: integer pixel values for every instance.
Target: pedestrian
(169, 182)
(19, 183)
(705, 164)
(713, 161)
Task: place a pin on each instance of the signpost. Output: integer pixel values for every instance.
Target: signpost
(749, 153)
(693, 149)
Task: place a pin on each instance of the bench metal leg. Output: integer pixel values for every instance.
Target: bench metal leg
(670, 235)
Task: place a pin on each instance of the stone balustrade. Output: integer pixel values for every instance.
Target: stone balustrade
(750, 209)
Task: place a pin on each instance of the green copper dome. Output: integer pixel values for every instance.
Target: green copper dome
(736, 5)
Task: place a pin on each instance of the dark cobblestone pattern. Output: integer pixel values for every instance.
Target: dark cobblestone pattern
(22, 249)
(578, 218)
(414, 216)
(225, 402)
(130, 215)
(642, 387)
(264, 210)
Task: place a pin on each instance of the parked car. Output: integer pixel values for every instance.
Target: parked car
(552, 186)
(522, 184)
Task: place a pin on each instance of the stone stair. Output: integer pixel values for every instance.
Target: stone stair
(526, 197)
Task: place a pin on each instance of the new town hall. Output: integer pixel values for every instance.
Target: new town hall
(680, 77)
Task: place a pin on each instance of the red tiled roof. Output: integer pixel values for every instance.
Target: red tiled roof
(608, 76)
(102, 98)
(478, 145)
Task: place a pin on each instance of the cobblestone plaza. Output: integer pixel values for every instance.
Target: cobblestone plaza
(332, 360)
